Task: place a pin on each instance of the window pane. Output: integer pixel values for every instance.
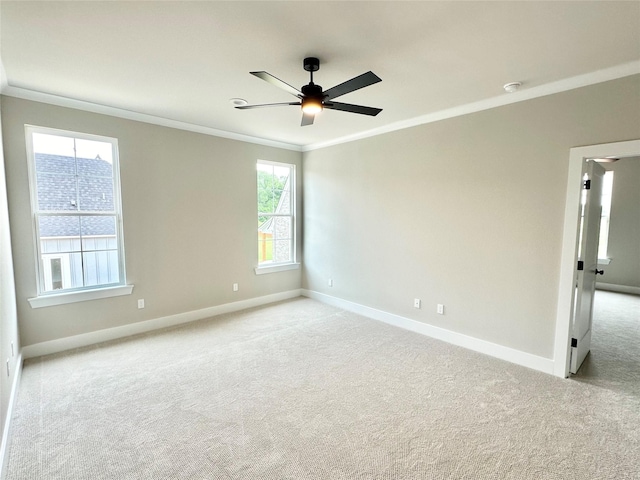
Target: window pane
(272, 182)
(86, 248)
(266, 201)
(95, 194)
(99, 257)
(94, 167)
(53, 145)
(54, 163)
(56, 192)
(281, 172)
(282, 227)
(56, 273)
(607, 191)
(100, 268)
(275, 240)
(97, 227)
(265, 247)
(284, 201)
(281, 251)
(57, 226)
(94, 149)
(282, 239)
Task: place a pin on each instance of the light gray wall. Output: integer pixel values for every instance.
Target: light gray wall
(189, 210)
(8, 312)
(467, 212)
(624, 230)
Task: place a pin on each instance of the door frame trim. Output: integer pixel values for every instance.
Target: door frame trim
(569, 255)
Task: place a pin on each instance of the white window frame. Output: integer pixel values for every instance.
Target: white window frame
(291, 264)
(46, 298)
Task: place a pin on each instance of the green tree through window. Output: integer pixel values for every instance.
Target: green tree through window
(275, 213)
(269, 192)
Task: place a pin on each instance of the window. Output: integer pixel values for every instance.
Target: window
(605, 214)
(276, 214)
(75, 201)
(607, 191)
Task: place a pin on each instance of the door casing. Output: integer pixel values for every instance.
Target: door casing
(569, 258)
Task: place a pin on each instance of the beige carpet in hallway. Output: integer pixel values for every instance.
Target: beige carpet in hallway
(302, 390)
(614, 360)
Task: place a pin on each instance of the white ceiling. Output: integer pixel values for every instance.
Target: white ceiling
(183, 61)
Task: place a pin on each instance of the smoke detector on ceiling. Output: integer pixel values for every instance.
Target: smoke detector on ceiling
(512, 87)
(238, 102)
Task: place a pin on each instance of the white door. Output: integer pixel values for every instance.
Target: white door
(587, 267)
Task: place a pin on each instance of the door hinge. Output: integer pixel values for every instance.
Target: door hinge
(580, 265)
(574, 342)
(587, 184)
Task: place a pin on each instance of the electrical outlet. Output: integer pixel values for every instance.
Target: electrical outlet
(440, 309)
(331, 282)
(141, 303)
(235, 287)
(416, 303)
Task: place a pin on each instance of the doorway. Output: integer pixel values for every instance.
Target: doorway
(566, 301)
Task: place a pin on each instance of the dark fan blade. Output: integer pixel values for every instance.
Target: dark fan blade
(307, 119)
(347, 107)
(267, 77)
(352, 85)
(246, 107)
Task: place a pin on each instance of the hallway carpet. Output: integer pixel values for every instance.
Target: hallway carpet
(614, 360)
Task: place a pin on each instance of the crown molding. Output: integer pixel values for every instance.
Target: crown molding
(33, 95)
(599, 76)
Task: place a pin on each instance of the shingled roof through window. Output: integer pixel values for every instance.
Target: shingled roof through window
(74, 184)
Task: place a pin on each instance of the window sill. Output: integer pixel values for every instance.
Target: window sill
(82, 296)
(276, 268)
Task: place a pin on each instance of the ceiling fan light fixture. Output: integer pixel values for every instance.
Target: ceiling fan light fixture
(311, 106)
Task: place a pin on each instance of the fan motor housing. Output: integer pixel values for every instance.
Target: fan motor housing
(312, 90)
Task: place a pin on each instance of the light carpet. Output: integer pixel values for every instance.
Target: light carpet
(614, 359)
(303, 390)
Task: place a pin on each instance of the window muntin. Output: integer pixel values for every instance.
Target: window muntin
(276, 213)
(75, 199)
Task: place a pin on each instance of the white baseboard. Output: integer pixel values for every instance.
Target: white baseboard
(610, 287)
(6, 433)
(498, 351)
(91, 338)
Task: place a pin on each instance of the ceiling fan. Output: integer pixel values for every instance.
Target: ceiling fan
(313, 99)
